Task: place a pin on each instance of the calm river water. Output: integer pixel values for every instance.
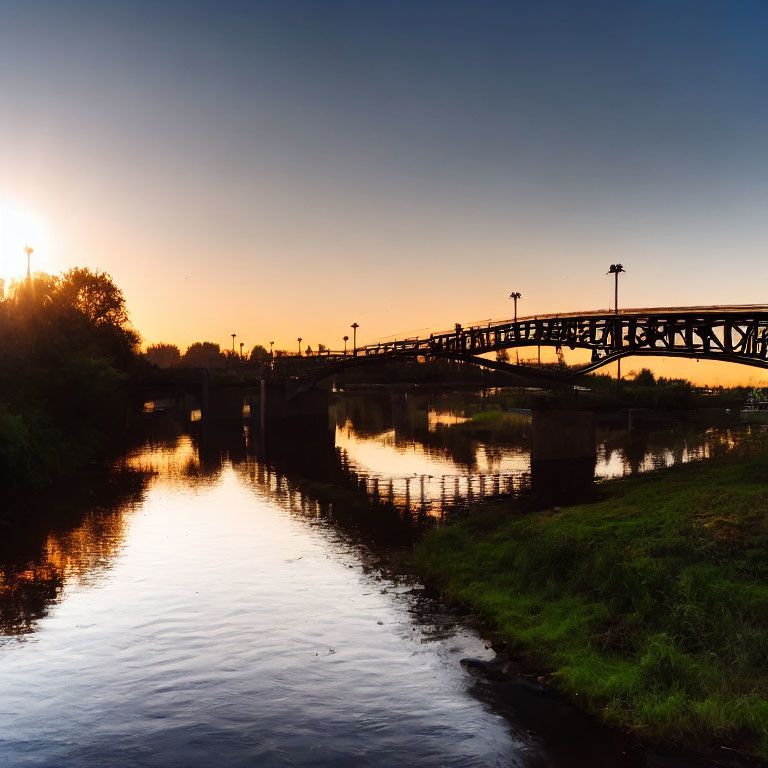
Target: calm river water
(215, 613)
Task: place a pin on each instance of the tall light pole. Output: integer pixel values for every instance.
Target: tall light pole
(515, 295)
(233, 343)
(346, 339)
(354, 328)
(271, 349)
(299, 340)
(241, 349)
(614, 270)
(29, 251)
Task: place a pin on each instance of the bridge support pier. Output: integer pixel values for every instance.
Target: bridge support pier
(291, 425)
(563, 455)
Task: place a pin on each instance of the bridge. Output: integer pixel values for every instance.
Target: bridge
(734, 333)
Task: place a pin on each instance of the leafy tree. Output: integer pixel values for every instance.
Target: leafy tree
(203, 354)
(65, 346)
(502, 356)
(163, 355)
(308, 351)
(321, 348)
(95, 295)
(259, 354)
(644, 378)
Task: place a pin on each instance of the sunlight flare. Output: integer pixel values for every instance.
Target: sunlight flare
(21, 228)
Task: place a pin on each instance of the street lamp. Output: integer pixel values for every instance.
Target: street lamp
(515, 295)
(29, 251)
(271, 349)
(299, 340)
(614, 270)
(242, 344)
(354, 328)
(233, 343)
(346, 339)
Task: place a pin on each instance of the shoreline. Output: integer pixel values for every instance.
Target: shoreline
(592, 638)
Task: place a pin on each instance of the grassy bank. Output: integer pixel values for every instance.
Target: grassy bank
(650, 606)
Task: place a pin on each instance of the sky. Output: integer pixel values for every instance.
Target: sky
(284, 169)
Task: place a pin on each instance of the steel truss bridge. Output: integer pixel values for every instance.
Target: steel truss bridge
(736, 334)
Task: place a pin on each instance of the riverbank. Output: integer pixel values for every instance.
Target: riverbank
(649, 607)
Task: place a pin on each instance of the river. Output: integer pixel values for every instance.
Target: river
(202, 607)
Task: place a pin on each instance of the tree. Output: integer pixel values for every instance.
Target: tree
(502, 356)
(163, 355)
(65, 346)
(321, 348)
(644, 378)
(259, 354)
(308, 351)
(95, 295)
(203, 354)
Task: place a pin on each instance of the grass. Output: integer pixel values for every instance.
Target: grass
(650, 605)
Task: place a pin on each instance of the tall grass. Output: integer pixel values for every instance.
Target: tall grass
(651, 605)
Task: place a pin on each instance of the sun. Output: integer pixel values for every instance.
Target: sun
(20, 228)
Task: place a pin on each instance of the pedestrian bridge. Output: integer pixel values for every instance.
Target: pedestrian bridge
(735, 333)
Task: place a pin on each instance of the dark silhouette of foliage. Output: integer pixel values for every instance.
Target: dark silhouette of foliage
(65, 347)
(644, 378)
(163, 355)
(203, 354)
(259, 354)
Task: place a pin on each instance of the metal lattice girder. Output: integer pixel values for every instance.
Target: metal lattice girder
(735, 334)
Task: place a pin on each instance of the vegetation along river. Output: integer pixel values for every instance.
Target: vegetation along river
(210, 604)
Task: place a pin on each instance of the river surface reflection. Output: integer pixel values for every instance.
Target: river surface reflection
(436, 453)
(221, 622)
(204, 606)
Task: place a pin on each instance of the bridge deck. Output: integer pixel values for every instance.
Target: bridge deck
(734, 333)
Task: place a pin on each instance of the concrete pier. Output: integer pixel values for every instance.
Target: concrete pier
(563, 455)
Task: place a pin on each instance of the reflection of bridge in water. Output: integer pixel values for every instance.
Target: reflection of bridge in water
(435, 493)
(321, 460)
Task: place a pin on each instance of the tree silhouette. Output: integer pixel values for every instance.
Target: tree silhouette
(95, 295)
(203, 354)
(259, 354)
(163, 355)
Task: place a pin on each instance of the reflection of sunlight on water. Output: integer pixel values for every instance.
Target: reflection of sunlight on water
(171, 461)
(712, 443)
(444, 418)
(68, 560)
(82, 554)
(409, 474)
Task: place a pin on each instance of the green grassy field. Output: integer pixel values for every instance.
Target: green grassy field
(650, 607)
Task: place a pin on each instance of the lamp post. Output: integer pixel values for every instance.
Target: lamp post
(29, 251)
(271, 349)
(614, 270)
(299, 340)
(346, 339)
(233, 343)
(242, 344)
(354, 328)
(515, 295)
